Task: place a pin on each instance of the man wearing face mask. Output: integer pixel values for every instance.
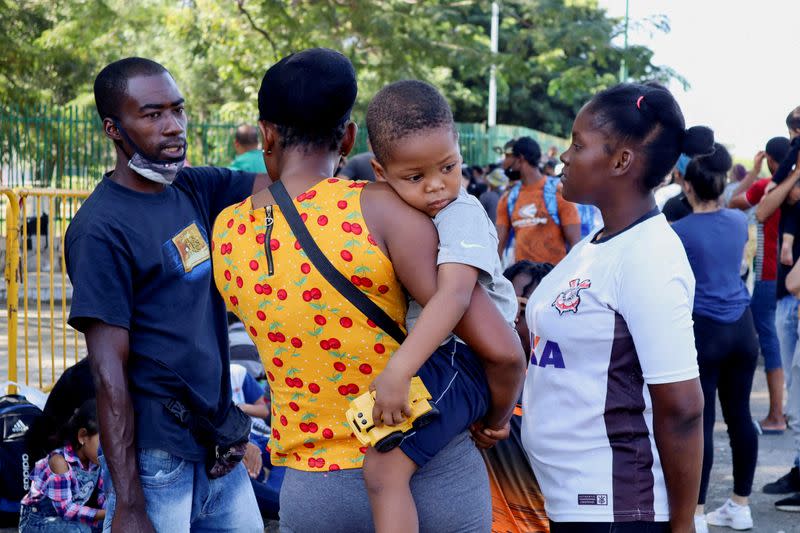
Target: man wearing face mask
(508, 161)
(534, 214)
(138, 256)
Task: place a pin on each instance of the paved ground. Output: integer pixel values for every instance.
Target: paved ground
(775, 452)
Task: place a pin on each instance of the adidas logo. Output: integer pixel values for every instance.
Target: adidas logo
(19, 427)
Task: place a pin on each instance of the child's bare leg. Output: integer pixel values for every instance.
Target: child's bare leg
(388, 477)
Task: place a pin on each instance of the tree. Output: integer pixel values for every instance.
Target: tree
(554, 54)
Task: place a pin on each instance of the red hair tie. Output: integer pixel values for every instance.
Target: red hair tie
(639, 102)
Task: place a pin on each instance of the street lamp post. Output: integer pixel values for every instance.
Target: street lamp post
(623, 67)
(491, 120)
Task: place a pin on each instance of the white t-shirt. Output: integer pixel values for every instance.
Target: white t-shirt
(613, 317)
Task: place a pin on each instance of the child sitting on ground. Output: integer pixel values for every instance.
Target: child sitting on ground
(66, 493)
(415, 143)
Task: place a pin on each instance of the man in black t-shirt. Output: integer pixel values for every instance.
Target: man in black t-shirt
(138, 256)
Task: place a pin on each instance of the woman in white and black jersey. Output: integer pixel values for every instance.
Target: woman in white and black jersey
(612, 402)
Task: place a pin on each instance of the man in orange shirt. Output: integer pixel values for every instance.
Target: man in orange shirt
(538, 234)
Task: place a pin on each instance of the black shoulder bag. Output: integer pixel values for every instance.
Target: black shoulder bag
(369, 308)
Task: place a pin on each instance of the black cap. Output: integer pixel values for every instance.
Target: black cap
(528, 149)
(313, 89)
(777, 148)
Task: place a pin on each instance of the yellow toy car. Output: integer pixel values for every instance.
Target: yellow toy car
(384, 438)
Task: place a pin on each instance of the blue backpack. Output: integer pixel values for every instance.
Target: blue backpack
(586, 212)
(550, 203)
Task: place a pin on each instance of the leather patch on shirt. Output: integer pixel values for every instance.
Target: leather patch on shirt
(192, 247)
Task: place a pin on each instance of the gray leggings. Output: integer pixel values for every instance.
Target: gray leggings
(451, 493)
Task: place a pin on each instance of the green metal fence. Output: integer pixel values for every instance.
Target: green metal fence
(65, 148)
(481, 146)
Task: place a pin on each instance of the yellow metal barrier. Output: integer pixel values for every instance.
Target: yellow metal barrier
(34, 217)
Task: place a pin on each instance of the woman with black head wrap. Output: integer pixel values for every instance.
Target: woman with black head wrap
(318, 349)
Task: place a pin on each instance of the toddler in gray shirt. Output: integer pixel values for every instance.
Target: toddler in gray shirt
(416, 151)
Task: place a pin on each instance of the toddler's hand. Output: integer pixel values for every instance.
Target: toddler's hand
(391, 398)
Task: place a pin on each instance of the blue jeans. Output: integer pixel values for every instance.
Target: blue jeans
(43, 519)
(179, 497)
(763, 306)
(787, 323)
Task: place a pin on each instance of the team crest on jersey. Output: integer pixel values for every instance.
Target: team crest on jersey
(569, 300)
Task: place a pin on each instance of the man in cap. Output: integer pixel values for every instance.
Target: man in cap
(138, 256)
(542, 223)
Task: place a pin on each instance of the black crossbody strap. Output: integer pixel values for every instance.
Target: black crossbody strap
(369, 308)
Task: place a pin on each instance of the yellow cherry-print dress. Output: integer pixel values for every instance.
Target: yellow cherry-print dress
(318, 350)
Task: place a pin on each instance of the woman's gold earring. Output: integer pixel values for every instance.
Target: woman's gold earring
(269, 152)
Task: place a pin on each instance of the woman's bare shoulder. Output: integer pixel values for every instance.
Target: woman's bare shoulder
(380, 198)
(387, 216)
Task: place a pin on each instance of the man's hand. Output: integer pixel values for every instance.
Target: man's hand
(130, 520)
(486, 437)
(252, 460)
(391, 398)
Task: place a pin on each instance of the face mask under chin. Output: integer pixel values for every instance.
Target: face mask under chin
(163, 172)
(157, 171)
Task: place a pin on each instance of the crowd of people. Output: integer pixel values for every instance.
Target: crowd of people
(230, 327)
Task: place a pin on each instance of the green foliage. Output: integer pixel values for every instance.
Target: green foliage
(553, 53)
